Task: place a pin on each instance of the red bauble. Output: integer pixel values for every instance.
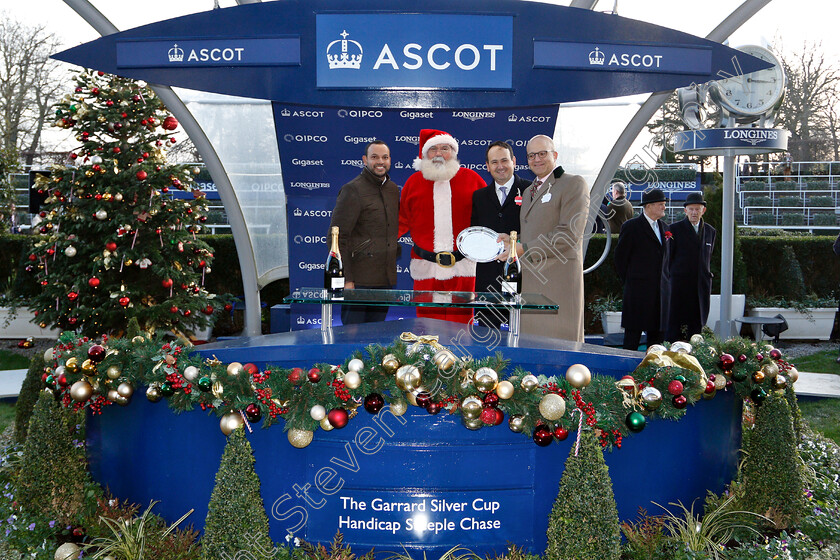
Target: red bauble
(111, 246)
(72, 296)
(94, 91)
(374, 403)
(726, 361)
(250, 369)
(491, 399)
(759, 356)
(173, 309)
(742, 358)
(73, 321)
(710, 387)
(314, 375)
(680, 401)
(729, 383)
(434, 407)
(96, 353)
(170, 123)
(93, 282)
(228, 307)
(253, 412)
(33, 258)
(775, 354)
(62, 380)
(338, 418)
(116, 149)
(208, 310)
(187, 312)
(500, 417)
(167, 282)
(542, 436)
(488, 415)
(172, 140)
(423, 399)
(295, 375)
(141, 175)
(561, 433)
(675, 387)
(124, 301)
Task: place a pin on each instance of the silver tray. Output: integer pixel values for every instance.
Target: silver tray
(479, 244)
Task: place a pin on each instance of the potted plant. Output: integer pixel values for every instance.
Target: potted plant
(609, 310)
(809, 318)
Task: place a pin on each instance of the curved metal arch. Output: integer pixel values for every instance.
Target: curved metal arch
(241, 236)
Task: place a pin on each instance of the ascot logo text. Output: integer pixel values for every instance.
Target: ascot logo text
(305, 113)
(229, 54)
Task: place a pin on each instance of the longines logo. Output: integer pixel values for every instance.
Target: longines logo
(308, 185)
(302, 113)
(751, 136)
(298, 213)
(342, 53)
(474, 115)
(310, 239)
(529, 118)
(411, 115)
(352, 162)
(359, 114)
(307, 162)
(228, 54)
(304, 138)
(409, 139)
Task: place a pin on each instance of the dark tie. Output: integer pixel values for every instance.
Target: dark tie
(534, 188)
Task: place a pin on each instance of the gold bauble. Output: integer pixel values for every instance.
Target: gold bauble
(72, 365)
(471, 407)
(49, 355)
(352, 379)
(485, 379)
(578, 376)
(230, 422)
(505, 389)
(552, 406)
(408, 377)
(88, 367)
(709, 396)
(299, 438)
(652, 398)
(113, 372)
(125, 389)
(234, 369)
(778, 382)
(138, 339)
(356, 365)
(118, 197)
(398, 407)
(113, 396)
(444, 359)
(758, 376)
(720, 382)
(217, 389)
(696, 339)
(153, 393)
(81, 391)
(529, 383)
(792, 374)
(325, 424)
(516, 423)
(770, 370)
(472, 423)
(67, 551)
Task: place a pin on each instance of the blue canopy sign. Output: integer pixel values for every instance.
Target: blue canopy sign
(479, 54)
(718, 141)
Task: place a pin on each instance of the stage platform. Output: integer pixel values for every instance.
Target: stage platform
(382, 477)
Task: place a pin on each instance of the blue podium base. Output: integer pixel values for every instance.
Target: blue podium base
(417, 482)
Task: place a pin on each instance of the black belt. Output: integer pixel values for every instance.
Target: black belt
(445, 259)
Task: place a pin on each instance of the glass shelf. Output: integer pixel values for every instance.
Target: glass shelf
(412, 298)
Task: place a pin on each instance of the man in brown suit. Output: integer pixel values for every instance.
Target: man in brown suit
(553, 220)
(619, 210)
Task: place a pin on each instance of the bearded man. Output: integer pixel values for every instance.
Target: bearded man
(435, 205)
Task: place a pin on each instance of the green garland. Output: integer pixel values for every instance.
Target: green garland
(86, 374)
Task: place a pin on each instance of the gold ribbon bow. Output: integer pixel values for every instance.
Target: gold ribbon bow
(431, 339)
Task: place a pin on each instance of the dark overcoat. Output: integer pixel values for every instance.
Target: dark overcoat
(638, 261)
(501, 218)
(687, 278)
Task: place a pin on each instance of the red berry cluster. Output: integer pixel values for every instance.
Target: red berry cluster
(260, 377)
(614, 435)
(553, 388)
(586, 407)
(340, 389)
(205, 406)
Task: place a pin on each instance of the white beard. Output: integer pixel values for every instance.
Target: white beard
(439, 171)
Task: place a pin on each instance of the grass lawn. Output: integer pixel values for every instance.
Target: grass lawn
(7, 414)
(10, 360)
(821, 362)
(823, 415)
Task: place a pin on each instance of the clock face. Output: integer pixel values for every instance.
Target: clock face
(755, 93)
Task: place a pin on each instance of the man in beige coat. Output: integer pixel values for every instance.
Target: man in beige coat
(553, 220)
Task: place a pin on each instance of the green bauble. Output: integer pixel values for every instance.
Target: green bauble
(635, 422)
(166, 389)
(205, 384)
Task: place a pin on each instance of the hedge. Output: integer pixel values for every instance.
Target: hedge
(821, 201)
(758, 201)
(789, 201)
(753, 186)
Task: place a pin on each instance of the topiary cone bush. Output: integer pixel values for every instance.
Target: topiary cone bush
(236, 519)
(53, 476)
(584, 520)
(772, 474)
(28, 397)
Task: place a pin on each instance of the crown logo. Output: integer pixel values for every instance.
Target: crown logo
(176, 54)
(301, 320)
(342, 53)
(597, 57)
(512, 118)
(298, 213)
(285, 112)
(398, 165)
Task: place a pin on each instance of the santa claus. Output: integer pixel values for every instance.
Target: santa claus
(435, 205)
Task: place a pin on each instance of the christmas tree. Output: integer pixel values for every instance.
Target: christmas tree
(119, 223)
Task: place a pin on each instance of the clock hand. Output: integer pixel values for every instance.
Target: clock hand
(761, 81)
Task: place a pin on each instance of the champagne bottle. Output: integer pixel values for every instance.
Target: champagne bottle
(334, 268)
(512, 278)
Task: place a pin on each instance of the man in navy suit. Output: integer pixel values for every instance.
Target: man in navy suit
(496, 206)
(638, 261)
(686, 272)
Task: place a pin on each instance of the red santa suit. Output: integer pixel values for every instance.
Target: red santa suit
(435, 212)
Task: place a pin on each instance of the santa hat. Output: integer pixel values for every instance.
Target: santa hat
(430, 137)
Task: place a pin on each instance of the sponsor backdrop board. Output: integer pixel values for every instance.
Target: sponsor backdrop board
(321, 149)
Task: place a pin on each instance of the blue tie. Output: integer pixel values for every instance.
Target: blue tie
(503, 196)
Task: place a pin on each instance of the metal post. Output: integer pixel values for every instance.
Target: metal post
(727, 247)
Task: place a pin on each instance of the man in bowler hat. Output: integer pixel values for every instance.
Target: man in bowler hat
(686, 272)
(638, 261)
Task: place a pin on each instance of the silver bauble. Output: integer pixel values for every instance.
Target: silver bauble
(651, 398)
(471, 407)
(352, 379)
(356, 365)
(318, 412)
(191, 373)
(516, 423)
(230, 422)
(529, 383)
(578, 376)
